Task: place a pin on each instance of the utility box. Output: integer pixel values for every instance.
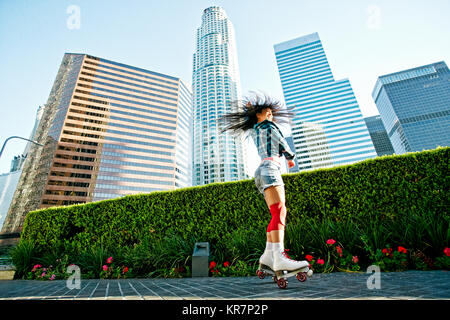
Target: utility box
(200, 260)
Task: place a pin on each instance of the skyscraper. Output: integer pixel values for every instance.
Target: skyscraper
(328, 128)
(17, 163)
(39, 113)
(414, 106)
(216, 83)
(9, 181)
(379, 136)
(8, 184)
(108, 130)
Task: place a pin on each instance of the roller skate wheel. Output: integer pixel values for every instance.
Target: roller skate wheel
(275, 279)
(301, 276)
(261, 275)
(282, 283)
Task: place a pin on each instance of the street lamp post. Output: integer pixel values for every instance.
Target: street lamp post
(4, 144)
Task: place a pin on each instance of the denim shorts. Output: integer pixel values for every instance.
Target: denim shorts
(268, 174)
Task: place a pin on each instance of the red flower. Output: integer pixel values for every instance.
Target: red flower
(447, 252)
(355, 259)
(339, 250)
(125, 270)
(401, 249)
(212, 265)
(110, 260)
(36, 267)
(331, 241)
(285, 253)
(309, 257)
(105, 267)
(226, 264)
(387, 252)
(179, 270)
(320, 261)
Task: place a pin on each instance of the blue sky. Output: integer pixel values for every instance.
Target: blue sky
(362, 40)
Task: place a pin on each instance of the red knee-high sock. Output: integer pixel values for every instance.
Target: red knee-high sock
(276, 209)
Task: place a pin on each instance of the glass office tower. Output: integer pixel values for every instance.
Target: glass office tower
(414, 106)
(216, 83)
(328, 128)
(379, 136)
(108, 130)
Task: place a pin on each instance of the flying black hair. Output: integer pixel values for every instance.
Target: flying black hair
(243, 115)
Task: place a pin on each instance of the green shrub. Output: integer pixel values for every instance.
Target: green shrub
(241, 244)
(23, 256)
(92, 259)
(398, 199)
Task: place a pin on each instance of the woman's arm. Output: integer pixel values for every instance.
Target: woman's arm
(284, 146)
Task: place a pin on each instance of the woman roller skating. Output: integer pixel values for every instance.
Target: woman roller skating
(261, 115)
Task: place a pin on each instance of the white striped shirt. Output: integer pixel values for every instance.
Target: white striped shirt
(269, 140)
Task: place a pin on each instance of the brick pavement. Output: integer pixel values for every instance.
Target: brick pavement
(338, 285)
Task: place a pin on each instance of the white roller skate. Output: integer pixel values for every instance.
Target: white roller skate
(265, 265)
(284, 267)
(281, 267)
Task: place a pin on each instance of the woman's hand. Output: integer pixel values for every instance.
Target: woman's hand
(290, 163)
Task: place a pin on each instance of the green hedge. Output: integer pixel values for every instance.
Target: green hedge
(398, 193)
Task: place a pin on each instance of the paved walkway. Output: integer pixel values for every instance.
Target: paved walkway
(338, 285)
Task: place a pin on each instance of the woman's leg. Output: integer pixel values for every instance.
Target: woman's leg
(275, 200)
(272, 195)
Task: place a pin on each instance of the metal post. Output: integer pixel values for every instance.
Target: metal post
(200, 259)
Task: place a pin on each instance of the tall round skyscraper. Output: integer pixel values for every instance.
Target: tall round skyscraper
(216, 83)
